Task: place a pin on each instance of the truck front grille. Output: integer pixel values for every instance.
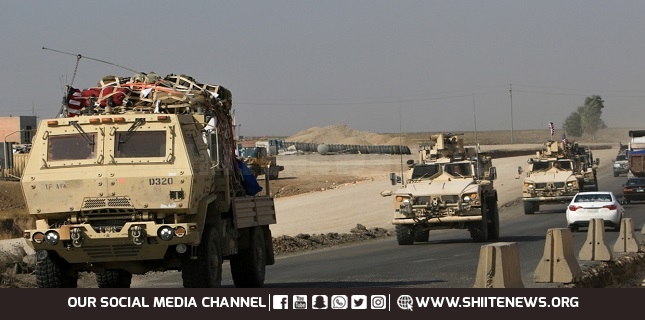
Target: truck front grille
(112, 251)
(95, 203)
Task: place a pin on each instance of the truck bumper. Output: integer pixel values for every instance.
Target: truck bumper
(442, 220)
(80, 243)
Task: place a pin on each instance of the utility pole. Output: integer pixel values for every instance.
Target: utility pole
(511, 92)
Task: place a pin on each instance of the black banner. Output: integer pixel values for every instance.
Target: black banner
(314, 303)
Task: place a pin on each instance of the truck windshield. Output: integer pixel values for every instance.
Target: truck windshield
(424, 171)
(70, 147)
(144, 144)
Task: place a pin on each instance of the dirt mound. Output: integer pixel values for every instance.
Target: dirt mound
(338, 134)
(305, 242)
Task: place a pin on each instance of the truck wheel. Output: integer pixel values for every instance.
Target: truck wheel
(421, 235)
(274, 173)
(493, 223)
(206, 270)
(616, 174)
(248, 266)
(54, 272)
(479, 229)
(404, 234)
(529, 207)
(114, 278)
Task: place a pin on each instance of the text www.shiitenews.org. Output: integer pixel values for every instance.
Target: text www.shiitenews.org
(497, 302)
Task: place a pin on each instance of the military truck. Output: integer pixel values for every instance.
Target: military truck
(450, 186)
(146, 182)
(556, 174)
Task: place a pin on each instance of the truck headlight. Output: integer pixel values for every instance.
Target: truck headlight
(165, 233)
(52, 237)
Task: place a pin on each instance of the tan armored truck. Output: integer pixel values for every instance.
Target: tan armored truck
(449, 187)
(148, 183)
(556, 174)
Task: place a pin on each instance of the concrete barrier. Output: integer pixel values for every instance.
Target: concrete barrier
(595, 247)
(627, 239)
(558, 263)
(499, 266)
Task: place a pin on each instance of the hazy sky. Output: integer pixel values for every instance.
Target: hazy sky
(374, 65)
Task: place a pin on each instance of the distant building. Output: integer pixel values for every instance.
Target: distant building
(18, 129)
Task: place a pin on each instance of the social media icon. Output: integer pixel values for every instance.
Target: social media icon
(339, 302)
(319, 302)
(359, 302)
(299, 302)
(280, 302)
(405, 302)
(378, 302)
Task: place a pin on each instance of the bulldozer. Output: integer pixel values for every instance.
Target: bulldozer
(260, 162)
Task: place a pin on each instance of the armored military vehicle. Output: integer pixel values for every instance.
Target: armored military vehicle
(139, 174)
(557, 173)
(450, 186)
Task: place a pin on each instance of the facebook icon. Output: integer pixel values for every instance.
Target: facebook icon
(280, 301)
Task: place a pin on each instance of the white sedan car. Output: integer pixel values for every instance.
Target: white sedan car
(594, 205)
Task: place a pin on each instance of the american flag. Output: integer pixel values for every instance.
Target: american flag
(551, 128)
(564, 139)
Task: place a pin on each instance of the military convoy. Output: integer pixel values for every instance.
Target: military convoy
(449, 187)
(139, 174)
(559, 171)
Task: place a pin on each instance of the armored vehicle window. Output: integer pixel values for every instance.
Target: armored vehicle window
(142, 144)
(537, 166)
(424, 171)
(562, 165)
(71, 147)
(458, 169)
(621, 157)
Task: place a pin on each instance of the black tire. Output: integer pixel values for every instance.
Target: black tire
(206, 270)
(479, 229)
(114, 278)
(274, 173)
(595, 181)
(536, 206)
(493, 223)
(529, 207)
(573, 228)
(421, 235)
(616, 174)
(404, 234)
(54, 272)
(248, 266)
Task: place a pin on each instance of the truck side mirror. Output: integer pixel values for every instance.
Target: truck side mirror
(597, 161)
(394, 179)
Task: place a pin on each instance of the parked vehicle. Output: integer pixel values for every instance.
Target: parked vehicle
(634, 190)
(594, 205)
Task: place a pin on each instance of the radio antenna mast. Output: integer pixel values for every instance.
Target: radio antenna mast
(79, 56)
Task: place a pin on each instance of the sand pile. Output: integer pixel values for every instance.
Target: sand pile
(341, 134)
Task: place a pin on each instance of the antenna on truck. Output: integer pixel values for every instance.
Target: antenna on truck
(79, 56)
(66, 95)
